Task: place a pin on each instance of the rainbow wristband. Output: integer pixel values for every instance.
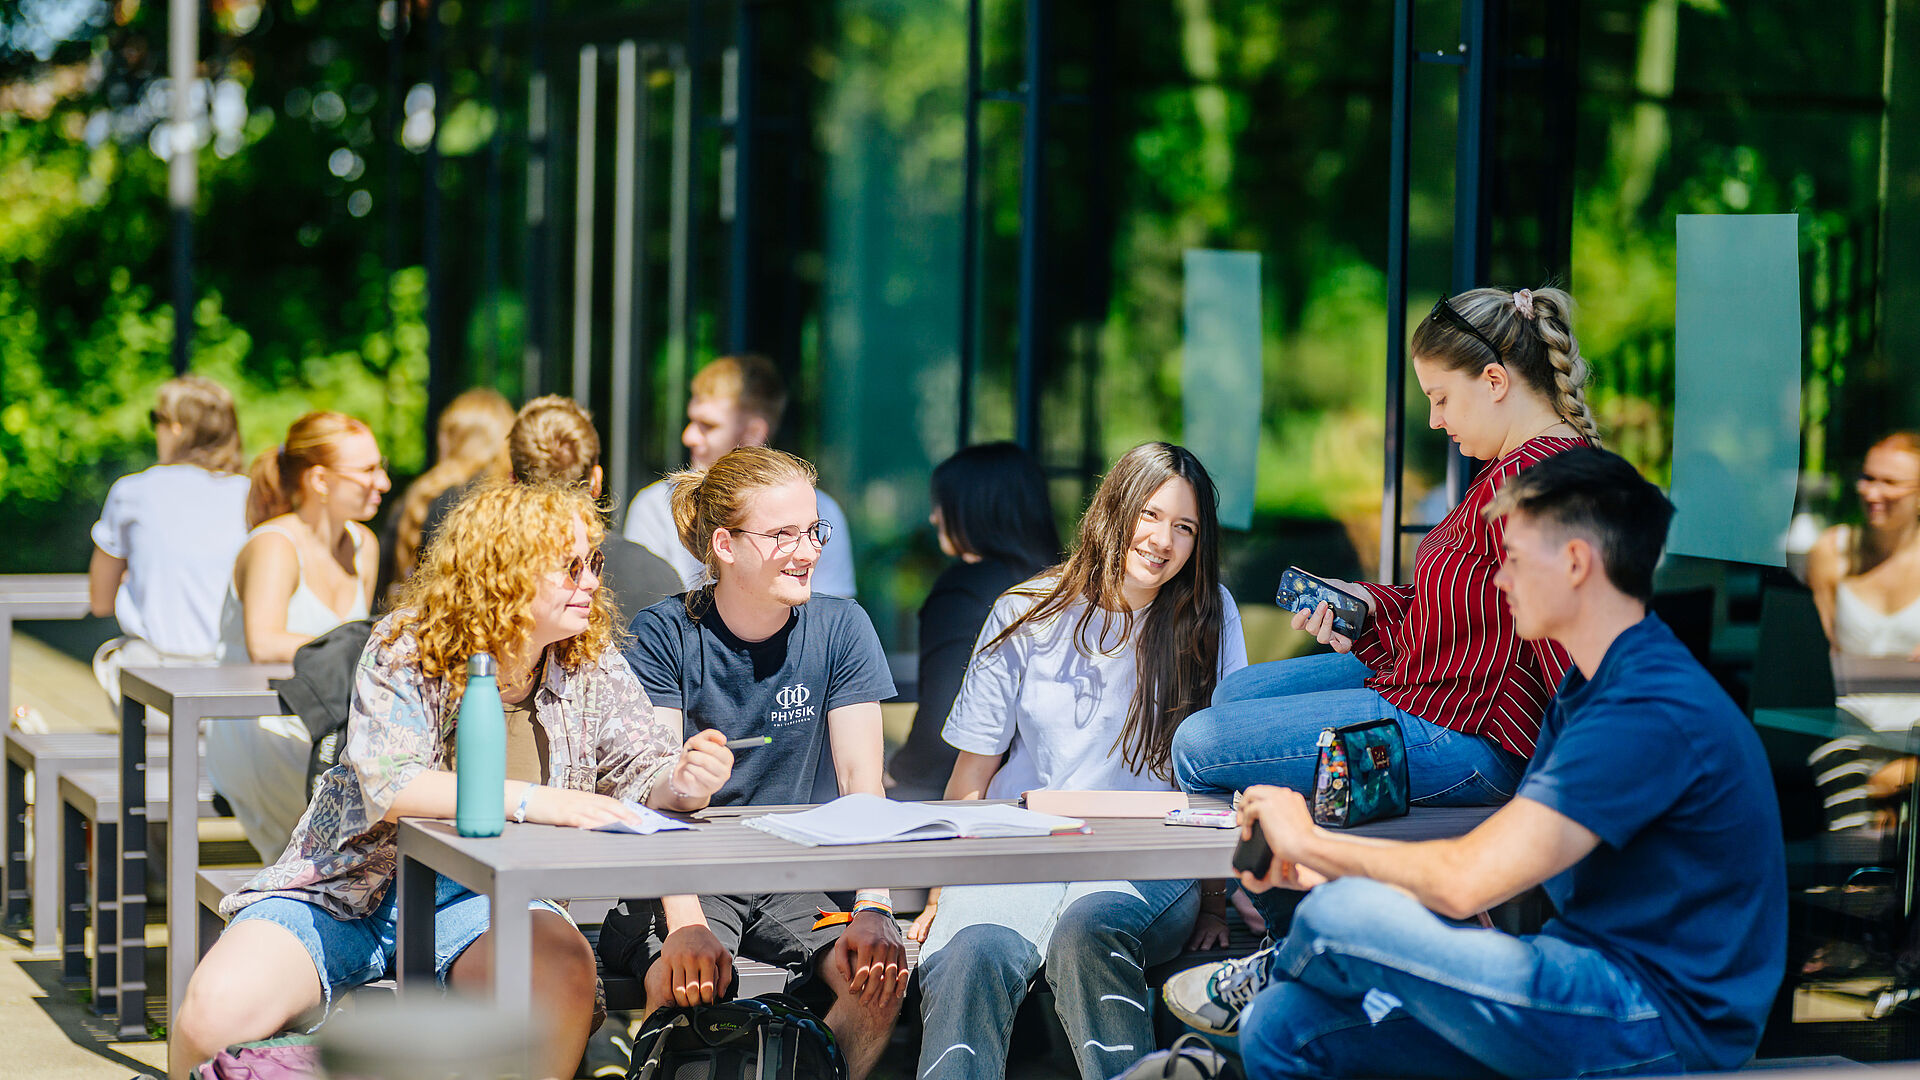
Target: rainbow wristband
(873, 900)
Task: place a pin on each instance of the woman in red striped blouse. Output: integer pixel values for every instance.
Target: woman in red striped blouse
(1502, 374)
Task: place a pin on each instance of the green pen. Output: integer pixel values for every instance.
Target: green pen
(749, 742)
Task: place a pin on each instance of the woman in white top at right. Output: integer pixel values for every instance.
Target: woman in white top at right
(165, 542)
(308, 565)
(1077, 682)
(1866, 583)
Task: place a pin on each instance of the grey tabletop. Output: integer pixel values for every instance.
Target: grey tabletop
(54, 592)
(721, 855)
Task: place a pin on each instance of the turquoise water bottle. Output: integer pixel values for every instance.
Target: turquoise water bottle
(480, 753)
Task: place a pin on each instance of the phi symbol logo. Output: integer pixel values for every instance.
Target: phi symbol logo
(792, 697)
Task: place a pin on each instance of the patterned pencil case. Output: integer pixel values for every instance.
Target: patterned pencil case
(1361, 775)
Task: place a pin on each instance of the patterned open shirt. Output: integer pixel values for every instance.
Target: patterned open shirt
(602, 735)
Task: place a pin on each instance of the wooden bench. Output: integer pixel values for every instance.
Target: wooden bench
(91, 797)
(44, 757)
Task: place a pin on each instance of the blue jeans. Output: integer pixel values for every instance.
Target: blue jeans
(1373, 984)
(1097, 939)
(1265, 723)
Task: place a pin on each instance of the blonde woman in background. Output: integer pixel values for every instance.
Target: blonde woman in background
(308, 566)
(470, 443)
(163, 548)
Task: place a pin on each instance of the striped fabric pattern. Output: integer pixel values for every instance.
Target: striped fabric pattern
(1444, 647)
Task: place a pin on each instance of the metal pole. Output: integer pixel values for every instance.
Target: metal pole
(584, 139)
(969, 225)
(740, 112)
(539, 151)
(494, 227)
(679, 255)
(439, 378)
(1399, 151)
(1033, 312)
(1479, 42)
(183, 166)
(620, 399)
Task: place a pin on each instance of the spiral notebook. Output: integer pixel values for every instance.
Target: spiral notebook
(870, 819)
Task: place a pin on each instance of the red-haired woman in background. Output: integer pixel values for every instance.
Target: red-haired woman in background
(308, 566)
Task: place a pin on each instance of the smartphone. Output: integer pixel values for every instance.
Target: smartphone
(1252, 853)
(1301, 591)
(1205, 819)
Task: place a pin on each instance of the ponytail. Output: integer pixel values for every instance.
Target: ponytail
(268, 497)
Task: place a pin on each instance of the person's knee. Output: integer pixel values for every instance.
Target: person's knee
(563, 961)
(1342, 911)
(979, 957)
(224, 1005)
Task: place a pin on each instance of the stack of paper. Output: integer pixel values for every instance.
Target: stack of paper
(870, 819)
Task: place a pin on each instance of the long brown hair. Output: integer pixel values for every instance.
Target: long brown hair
(1533, 329)
(209, 428)
(1177, 650)
(313, 442)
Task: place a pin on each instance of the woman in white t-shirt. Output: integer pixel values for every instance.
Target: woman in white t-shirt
(1079, 679)
(308, 566)
(165, 542)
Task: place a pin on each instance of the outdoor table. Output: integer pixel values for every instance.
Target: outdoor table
(28, 597)
(722, 855)
(187, 695)
(1875, 674)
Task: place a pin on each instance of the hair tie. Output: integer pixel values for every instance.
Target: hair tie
(1523, 303)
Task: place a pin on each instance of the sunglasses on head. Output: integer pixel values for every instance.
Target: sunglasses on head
(595, 560)
(1444, 312)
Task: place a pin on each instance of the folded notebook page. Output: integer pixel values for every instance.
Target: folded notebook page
(870, 819)
(650, 822)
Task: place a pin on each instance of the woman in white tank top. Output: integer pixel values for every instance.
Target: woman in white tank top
(308, 566)
(1866, 583)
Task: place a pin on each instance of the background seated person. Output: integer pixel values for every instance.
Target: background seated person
(1502, 373)
(1647, 812)
(1079, 680)
(553, 441)
(757, 653)
(321, 920)
(994, 520)
(735, 401)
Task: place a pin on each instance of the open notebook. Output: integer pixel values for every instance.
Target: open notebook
(870, 819)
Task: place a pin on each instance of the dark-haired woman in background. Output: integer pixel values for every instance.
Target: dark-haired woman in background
(991, 511)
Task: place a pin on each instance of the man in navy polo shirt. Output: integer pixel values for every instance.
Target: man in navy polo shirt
(1647, 812)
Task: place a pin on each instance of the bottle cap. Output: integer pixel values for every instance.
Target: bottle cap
(480, 664)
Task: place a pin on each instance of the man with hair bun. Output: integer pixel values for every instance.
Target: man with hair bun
(553, 441)
(735, 401)
(1647, 813)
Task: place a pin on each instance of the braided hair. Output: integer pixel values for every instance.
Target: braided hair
(1533, 329)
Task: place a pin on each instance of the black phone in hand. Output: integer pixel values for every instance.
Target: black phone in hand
(1252, 853)
(1301, 591)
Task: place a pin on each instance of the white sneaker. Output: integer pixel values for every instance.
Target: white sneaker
(1211, 997)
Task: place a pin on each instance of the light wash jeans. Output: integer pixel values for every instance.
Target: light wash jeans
(1265, 722)
(1097, 939)
(1371, 983)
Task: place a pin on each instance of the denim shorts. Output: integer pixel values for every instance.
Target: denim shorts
(353, 952)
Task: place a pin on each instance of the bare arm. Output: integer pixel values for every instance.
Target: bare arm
(971, 775)
(104, 574)
(706, 752)
(859, 748)
(1523, 844)
(434, 793)
(265, 577)
(1826, 565)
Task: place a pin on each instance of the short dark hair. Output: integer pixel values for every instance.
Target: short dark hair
(1595, 493)
(993, 501)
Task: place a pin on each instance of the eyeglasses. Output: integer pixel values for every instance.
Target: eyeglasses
(1865, 479)
(577, 567)
(788, 538)
(1445, 313)
(364, 472)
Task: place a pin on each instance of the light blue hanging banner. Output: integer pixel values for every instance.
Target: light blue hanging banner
(1220, 374)
(1736, 399)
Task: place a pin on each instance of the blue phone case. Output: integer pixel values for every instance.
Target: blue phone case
(1301, 591)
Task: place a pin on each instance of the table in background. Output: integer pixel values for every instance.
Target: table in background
(721, 855)
(187, 695)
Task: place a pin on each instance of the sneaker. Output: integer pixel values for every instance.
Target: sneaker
(1211, 997)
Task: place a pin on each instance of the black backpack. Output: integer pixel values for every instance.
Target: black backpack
(771, 1037)
(320, 692)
